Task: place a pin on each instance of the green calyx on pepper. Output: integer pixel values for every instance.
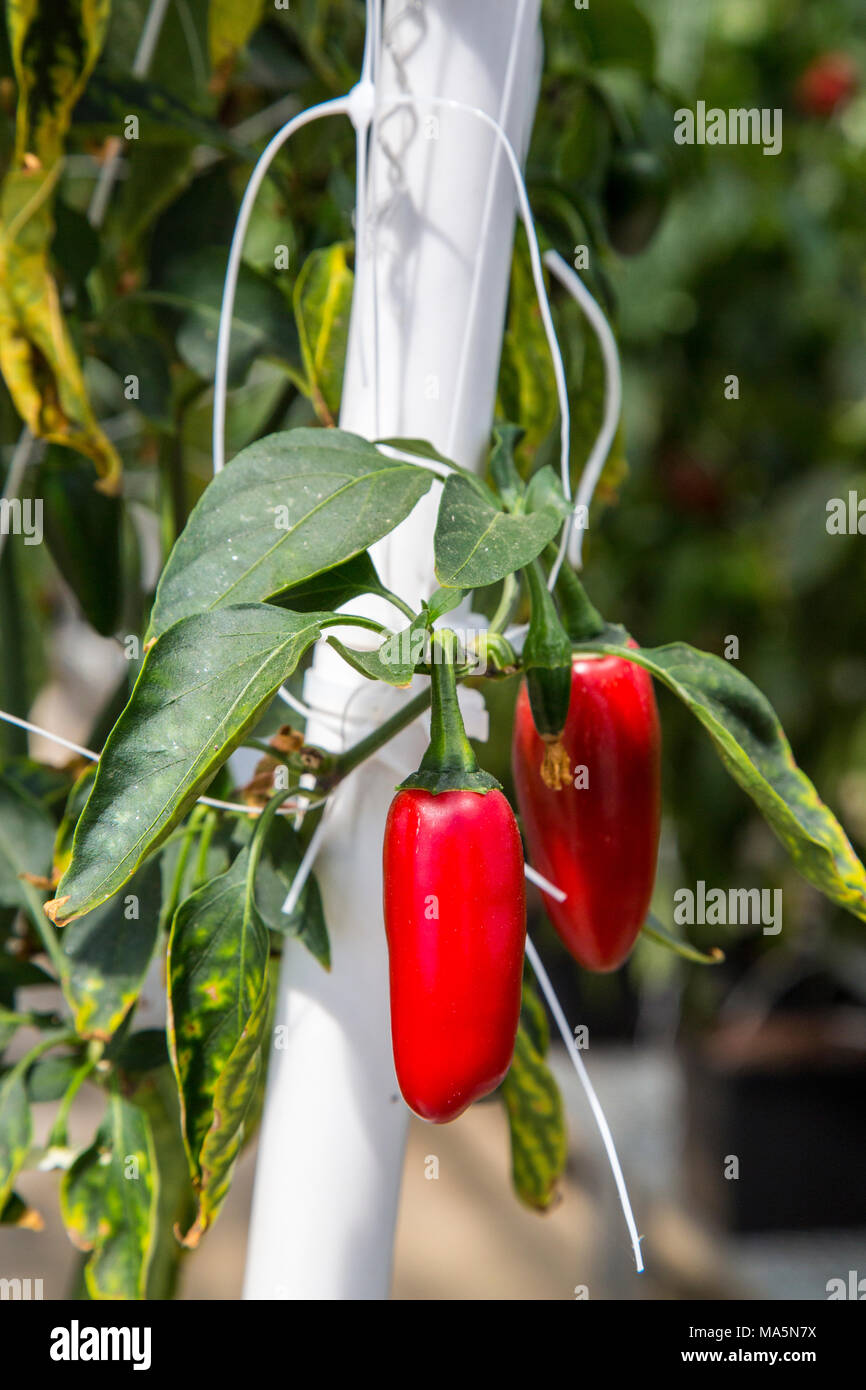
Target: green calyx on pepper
(547, 664)
(449, 763)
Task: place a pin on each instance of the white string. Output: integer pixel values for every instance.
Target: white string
(55, 738)
(305, 868)
(335, 107)
(541, 882)
(595, 1105)
(288, 809)
(452, 104)
(486, 214)
(572, 536)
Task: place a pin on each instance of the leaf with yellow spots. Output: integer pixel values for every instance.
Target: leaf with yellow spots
(108, 1200)
(218, 1008)
(16, 1129)
(54, 49)
(322, 301)
(535, 1112)
(107, 953)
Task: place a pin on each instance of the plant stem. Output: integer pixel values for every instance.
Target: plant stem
(44, 1045)
(510, 590)
(353, 620)
(44, 928)
(173, 898)
(371, 743)
(260, 834)
(397, 602)
(210, 824)
(58, 1136)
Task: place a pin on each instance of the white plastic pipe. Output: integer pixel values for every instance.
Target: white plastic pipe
(425, 340)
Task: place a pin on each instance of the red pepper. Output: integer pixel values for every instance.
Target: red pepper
(597, 842)
(455, 918)
(828, 84)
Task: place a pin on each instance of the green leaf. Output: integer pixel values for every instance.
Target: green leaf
(750, 742)
(16, 1129)
(323, 301)
(17, 974)
(202, 687)
(260, 325)
(533, 1017)
(49, 1077)
(82, 528)
(16, 1212)
(108, 1199)
(421, 448)
(26, 841)
(286, 509)
(333, 588)
(545, 490)
(229, 27)
(163, 119)
(527, 387)
(476, 544)
(75, 804)
(537, 1125)
(395, 659)
(655, 931)
(142, 356)
(108, 952)
(218, 1010)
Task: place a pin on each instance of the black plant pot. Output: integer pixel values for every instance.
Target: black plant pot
(786, 1100)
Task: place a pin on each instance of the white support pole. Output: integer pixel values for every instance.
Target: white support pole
(425, 340)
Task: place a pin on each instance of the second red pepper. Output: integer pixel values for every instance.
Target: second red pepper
(598, 842)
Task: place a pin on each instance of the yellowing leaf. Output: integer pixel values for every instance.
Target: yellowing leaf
(54, 49)
(322, 301)
(229, 27)
(108, 1199)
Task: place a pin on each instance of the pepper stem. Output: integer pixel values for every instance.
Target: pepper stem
(581, 618)
(449, 763)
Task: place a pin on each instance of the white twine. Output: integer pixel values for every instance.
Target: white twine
(287, 809)
(594, 1102)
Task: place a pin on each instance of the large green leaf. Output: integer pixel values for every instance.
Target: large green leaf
(750, 742)
(287, 508)
(109, 1201)
(476, 544)
(323, 300)
(16, 1129)
(107, 954)
(202, 687)
(218, 1009)
(535, 1119)
(26, 841)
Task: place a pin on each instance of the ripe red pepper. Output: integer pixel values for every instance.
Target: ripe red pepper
(597, 842)
(828, 84)
(455, 918)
